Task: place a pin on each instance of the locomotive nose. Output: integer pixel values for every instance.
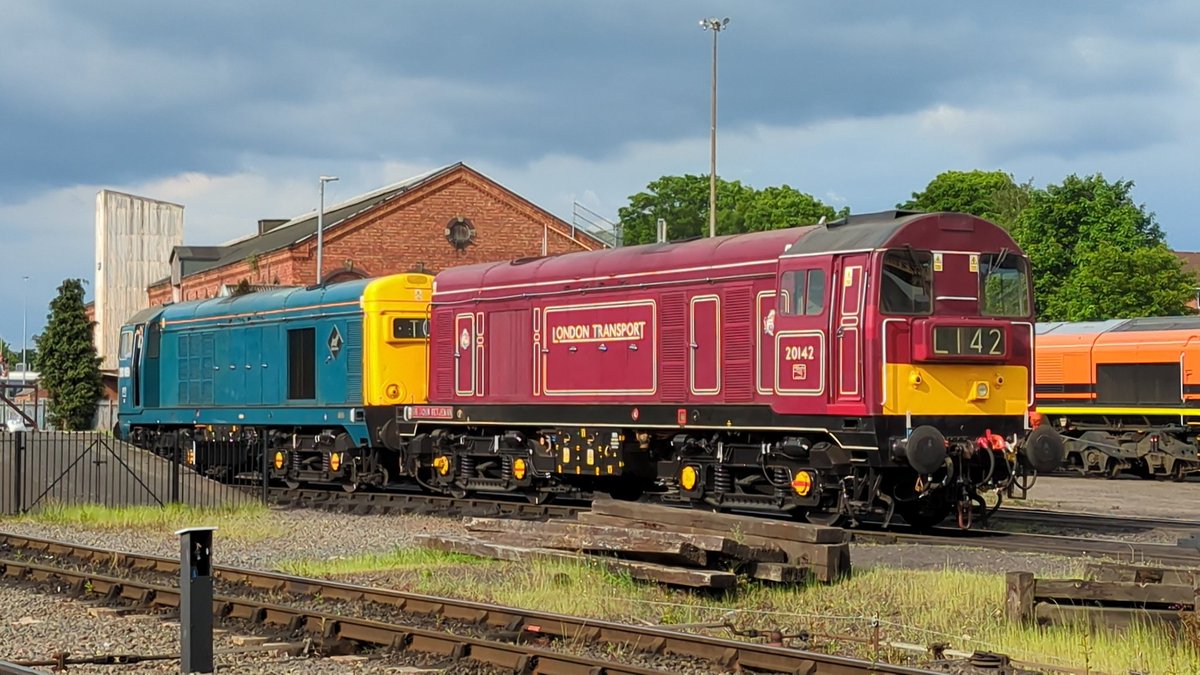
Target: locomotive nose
(1043, 449)
(925, 449)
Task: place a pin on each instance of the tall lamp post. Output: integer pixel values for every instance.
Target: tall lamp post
(716, 26)
(24, 332)
(321, 226)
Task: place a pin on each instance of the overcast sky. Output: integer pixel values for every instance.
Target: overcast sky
(233, 108)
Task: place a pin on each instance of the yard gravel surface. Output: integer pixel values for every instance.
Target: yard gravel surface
(1124, 496)
(36, 626)
(303, 534)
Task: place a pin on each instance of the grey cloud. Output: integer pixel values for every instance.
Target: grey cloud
(195, 86)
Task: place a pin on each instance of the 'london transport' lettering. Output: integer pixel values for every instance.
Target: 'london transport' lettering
(623, 330)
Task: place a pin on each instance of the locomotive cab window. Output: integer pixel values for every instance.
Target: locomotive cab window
(907, 284)
(1003, 285)
(126, 348)
(802, 292)
(302, 362)
(410, 328)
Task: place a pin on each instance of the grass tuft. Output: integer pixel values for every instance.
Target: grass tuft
(245, 522)
(399, 559)
(964, 610)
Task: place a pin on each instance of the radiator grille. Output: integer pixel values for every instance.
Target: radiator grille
(674, 346)
(354, 356)
(739, 344)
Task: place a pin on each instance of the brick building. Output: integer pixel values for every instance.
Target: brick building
(452, 216)
(1191, 261)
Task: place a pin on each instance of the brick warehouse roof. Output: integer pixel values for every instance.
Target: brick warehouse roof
(196, 259)
(276, 235)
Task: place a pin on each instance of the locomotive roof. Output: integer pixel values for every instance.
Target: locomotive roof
(258, 302)
(645, 259)
(866, 231)
(1140, 325)
(745, 251)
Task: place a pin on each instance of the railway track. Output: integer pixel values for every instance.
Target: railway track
(420, 503)
(1186, 553)
(1093, 520)
(1181, 555)
(505, 637)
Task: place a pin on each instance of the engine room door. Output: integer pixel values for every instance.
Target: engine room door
(464, 354)
(847, 328)
(704, 345)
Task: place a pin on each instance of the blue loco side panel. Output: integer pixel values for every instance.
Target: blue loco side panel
(285, 358)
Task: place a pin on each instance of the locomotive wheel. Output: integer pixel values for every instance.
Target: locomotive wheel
(1112, 469)
(291, 484)
(1178, 472)
(538, 497)
(349, 487)
(924, 514)
(826, 518)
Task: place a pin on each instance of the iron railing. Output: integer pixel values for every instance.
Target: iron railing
(40, 469)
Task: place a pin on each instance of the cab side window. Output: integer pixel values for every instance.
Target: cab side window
(907, 283)
(802, 292)
(126, 347)
(814, 297)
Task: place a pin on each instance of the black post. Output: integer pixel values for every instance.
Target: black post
(19, 473)
(265, 468)
(196, 599)
(176, 460)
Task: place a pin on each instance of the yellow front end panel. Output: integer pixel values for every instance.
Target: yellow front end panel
(953, 389)
(395, 340)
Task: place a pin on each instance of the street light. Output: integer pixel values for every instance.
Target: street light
(24, 332)
(321, 225)
(716, 26)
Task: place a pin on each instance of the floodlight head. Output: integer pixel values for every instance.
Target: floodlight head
(725, 22)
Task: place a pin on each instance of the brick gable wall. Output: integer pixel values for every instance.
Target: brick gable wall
(404, 234)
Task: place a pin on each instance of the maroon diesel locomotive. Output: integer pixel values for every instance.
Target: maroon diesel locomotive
(876, 364)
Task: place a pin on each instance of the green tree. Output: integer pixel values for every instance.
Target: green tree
(683, 202)
(992, 195)
(1110, 283)
(10, 356)
(775, 208)
(1065, 223)
(67, 363)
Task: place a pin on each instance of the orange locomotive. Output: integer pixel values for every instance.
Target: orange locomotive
(1125, 393)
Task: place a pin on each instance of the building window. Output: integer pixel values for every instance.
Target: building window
(302, 362)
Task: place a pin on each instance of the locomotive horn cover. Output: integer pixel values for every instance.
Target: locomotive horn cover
(1044, 449)
(925, 449)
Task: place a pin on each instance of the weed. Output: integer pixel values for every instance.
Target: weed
(249, 522)
(962, 609)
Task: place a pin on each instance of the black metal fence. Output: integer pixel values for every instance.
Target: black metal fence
(39, 469)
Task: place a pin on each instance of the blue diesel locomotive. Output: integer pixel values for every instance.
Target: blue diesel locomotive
(312, 375)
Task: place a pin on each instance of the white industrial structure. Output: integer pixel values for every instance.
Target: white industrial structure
(134, 240)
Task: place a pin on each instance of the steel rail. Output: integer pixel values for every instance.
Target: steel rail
(520, 658)
(1084, 519)
(415, 502)
(1021, 542)
(722, 652)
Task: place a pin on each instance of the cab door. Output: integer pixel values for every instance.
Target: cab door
(848, 328)
(127, 379)
(800, 328)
